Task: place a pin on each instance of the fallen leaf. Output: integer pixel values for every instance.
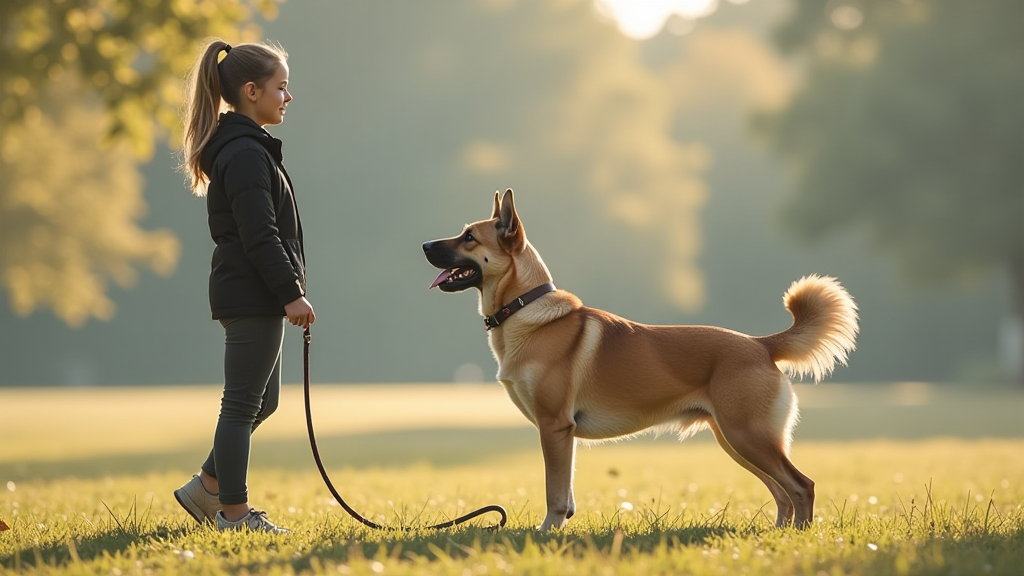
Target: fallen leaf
(4, 526)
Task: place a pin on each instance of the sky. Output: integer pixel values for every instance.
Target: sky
(644, 19)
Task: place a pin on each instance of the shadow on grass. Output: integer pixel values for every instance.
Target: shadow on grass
(445, 546)
(111, 541)
(440, 447)
(999, 554)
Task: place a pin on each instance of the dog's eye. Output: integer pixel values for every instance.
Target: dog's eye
(469, 237)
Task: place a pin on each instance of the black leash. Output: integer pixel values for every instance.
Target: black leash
(319, 464)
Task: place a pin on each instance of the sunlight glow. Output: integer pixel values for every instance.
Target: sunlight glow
(643, 19)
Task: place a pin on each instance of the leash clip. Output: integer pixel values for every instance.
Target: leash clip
(306, 336)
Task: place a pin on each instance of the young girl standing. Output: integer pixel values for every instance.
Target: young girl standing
(258, 270)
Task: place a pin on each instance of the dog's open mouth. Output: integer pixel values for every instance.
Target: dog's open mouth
(454, 279)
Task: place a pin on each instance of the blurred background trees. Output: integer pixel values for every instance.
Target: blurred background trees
(89, 87)
(625, 134)
(909, 129)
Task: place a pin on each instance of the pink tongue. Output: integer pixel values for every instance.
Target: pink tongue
(444, 275)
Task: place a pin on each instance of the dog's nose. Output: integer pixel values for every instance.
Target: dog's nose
(427, 246)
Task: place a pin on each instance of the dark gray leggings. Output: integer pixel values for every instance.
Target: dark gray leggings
(252, 390)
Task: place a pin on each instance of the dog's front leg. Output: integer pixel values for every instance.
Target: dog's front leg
(558, 443)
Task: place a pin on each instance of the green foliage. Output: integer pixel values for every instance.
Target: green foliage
(88, 87)
(131, 53)
(908, 128)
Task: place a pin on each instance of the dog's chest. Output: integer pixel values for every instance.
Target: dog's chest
(521, 396)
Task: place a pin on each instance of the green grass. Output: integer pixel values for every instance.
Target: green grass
(930, 506)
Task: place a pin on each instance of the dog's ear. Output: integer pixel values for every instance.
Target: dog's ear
(508, 225)
(497, 206)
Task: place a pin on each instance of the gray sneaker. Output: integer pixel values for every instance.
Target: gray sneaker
(198, 501)
(255, 520)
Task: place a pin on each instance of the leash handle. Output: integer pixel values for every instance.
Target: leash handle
(307, 338)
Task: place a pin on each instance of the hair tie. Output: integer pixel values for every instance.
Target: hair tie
(226, 48)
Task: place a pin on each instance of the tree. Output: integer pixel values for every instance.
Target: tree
(910, 129)
(89, 86)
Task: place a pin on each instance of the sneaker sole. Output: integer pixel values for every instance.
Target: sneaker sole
(190, 506)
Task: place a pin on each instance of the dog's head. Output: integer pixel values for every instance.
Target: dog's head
(482, 253)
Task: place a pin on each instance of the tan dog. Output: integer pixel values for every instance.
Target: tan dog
(579, 372)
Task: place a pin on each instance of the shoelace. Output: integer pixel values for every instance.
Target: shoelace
(260, 514)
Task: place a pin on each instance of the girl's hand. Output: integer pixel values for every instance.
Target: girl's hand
(300, 312)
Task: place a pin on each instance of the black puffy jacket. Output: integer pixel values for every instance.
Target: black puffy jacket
(258, 262)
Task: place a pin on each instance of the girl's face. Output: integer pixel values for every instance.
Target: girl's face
(267, 104)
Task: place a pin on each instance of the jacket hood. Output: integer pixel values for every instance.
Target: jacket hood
(230, 127)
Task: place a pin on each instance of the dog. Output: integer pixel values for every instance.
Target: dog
(580, 373)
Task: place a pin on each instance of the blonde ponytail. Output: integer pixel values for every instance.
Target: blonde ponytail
(210, 85)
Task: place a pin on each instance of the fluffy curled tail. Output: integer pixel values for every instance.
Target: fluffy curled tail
(824, 329)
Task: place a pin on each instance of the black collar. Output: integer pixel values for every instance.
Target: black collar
(517, 305)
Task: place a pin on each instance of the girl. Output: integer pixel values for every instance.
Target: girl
(258, 270)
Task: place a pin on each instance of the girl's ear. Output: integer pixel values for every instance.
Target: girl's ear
(249, 91)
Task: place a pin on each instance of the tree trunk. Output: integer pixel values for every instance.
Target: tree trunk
(1013, 328)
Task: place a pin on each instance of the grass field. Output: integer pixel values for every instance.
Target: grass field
(911, 479)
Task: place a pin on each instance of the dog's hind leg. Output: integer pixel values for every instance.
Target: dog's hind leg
(782, 500)
(763, 451)
(760, 434)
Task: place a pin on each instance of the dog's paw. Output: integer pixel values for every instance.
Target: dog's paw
(552, 522)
